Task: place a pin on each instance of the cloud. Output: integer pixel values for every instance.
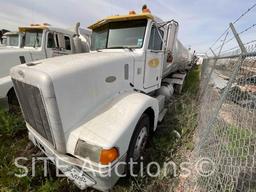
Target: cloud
(201, 21)
(12, 16)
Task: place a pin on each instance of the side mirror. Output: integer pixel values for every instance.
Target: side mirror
(172, 31)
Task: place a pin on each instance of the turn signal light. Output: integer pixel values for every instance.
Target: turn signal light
(108, 155)
(145, 9)
(132, 12)
(37, 24)
(33, 24)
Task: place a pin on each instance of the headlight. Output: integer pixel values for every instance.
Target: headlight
(95, 153)
(86, 150)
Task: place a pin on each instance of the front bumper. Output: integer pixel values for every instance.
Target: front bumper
(83, 174)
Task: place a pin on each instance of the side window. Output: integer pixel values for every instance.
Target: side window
(50, 41)
(155, 41)
(67, 43)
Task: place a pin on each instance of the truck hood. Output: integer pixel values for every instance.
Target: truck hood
(10, 57)
(81, 83)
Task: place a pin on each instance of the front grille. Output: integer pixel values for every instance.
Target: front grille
(33, 108)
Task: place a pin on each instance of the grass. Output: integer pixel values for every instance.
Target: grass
(236, 139)
(10, 124)
(164, 146)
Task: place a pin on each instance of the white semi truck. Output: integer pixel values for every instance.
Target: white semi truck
(36, 42)
(12, 39)
(94, 112)
(2, 32)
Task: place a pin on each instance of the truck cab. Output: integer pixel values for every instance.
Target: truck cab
(33, 43)
(94, 112)
(12, 40)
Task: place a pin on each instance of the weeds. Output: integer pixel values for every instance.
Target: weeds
(10, 124)
(165, 145)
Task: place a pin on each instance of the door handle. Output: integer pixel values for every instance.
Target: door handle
(156, 51)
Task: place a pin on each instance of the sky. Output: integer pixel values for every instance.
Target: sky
(201, 21)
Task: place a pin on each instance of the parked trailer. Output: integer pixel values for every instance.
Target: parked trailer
(36, 42)
(94, 112)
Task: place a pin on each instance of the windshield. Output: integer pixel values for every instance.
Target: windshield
(12, 40)
(123, 34)
(33, 38)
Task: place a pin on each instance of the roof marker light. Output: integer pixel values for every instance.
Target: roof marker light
(132, 12)
(145, 9)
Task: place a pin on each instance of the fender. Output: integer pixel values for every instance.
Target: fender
(114, 125)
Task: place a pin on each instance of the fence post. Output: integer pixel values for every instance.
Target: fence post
(213, 52)
(239, 41)
(232, 78)
(213, 67)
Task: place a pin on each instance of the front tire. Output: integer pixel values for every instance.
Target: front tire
(138, 142)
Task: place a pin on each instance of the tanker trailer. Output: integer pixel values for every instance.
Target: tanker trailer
(94, 112)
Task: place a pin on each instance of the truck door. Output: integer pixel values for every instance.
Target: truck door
(67, 44)
(57, 44)
(154, 58)
(51, 44)
(63, 43)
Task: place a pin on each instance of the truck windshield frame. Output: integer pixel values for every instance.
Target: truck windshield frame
(33, 38)
(119, 35)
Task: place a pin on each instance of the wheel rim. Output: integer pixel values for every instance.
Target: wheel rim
(140, 144)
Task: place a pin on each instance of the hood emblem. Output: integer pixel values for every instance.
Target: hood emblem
(110, 79)
(21, 73)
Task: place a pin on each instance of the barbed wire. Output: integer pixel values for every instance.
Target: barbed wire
(245, 13)
(237, 47)
(240, 33)
(236, 20)
(218, 38)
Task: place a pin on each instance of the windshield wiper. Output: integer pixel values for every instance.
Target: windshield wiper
(121, 47)
(98, 50)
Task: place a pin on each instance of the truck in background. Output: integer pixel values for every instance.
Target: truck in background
(36, 42)
(94, 112)
(12, 39)
(2, 32)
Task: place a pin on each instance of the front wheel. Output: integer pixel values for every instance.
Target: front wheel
(139, 141)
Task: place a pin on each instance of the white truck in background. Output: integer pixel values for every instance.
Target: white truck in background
(12, 39)
(2, 32)
(94, 112)
(36, 42)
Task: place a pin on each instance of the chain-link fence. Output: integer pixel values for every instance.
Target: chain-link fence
(226, 136)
